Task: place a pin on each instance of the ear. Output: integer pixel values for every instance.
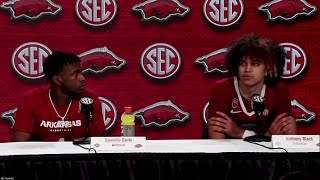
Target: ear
(57, 80)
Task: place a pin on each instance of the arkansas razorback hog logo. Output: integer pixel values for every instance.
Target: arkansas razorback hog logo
(9, 115)
(214, 62)
(31, 9)
(301, 113)
(161, 9)
(161, 114)
(138, 146)
(287, 9)
(99, 60)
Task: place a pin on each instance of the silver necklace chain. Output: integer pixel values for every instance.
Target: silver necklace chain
(62, 117)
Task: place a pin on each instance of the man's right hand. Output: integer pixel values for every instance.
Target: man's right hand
(223, 124)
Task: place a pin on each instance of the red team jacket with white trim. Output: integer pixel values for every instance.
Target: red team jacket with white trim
(37, 116)
(225, 97)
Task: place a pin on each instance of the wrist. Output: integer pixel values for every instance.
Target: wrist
(240, 133)
(247, 133)
(268, 133)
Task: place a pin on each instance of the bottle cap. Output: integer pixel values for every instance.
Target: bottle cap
(128, 109)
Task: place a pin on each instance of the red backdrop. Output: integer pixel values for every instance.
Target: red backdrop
(128, 36)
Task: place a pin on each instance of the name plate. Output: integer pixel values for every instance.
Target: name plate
(296, 141)
(118, 143)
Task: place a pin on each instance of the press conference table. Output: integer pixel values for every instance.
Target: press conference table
(162, 159)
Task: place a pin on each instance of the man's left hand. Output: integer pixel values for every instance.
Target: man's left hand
(284, 125)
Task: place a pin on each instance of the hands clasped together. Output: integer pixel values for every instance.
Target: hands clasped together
(282, 125)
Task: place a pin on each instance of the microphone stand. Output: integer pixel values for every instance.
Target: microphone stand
(258, 107)
(258, 137)
(86, 139)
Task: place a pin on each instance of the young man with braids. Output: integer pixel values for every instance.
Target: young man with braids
(256, 64)
(52, 112)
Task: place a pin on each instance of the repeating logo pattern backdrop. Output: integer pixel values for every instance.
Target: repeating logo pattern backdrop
(158, 56)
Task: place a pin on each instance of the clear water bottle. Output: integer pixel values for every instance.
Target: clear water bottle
(127, 122)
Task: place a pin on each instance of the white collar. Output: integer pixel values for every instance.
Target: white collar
(243, 107)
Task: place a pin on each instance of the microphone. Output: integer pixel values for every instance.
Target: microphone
(258, 106)
(86, 107)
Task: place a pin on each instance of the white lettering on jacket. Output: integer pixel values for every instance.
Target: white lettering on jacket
(60, 124)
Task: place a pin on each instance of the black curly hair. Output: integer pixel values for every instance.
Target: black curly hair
(54, 63)
(265, 50)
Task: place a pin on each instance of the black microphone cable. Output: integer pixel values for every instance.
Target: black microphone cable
(252, 142)
(89, 149)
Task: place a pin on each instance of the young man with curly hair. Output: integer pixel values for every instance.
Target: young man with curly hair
(256, 65)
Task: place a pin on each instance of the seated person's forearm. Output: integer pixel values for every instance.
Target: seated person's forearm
(216, 135)
(19, 136)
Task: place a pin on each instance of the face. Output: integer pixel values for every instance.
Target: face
(251, 71)
(71, 78)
